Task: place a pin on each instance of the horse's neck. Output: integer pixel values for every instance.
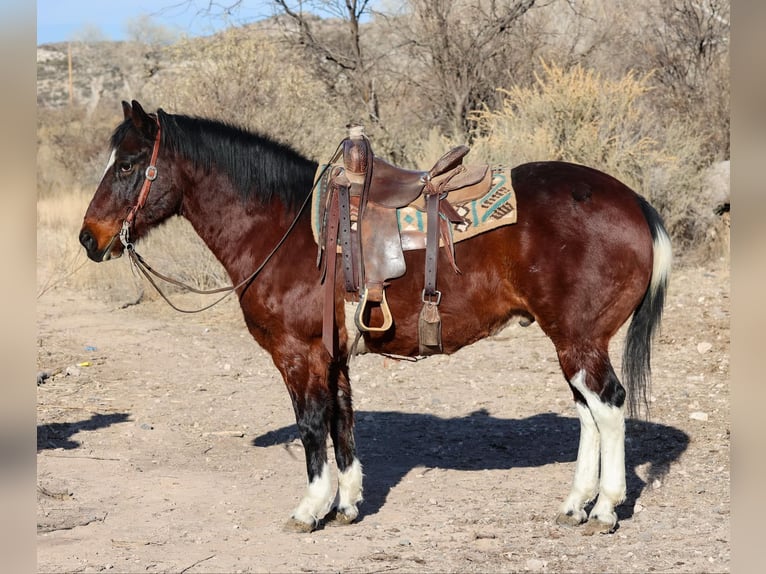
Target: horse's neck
(239, 232)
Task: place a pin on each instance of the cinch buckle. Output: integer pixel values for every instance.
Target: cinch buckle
(428, 298)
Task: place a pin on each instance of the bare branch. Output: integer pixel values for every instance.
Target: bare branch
(345, 54)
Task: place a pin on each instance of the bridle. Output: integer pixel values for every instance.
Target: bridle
(150, 174)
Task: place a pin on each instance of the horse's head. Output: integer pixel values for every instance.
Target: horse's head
(130, 196)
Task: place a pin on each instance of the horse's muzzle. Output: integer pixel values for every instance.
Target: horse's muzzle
(90, 243)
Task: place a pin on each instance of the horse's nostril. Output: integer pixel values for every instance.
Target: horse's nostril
(88, 241)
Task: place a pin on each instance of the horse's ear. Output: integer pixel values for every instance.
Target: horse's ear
(141, 120)
(126, 111)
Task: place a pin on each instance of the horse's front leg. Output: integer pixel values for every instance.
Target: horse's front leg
(306, 377)
(342, 432)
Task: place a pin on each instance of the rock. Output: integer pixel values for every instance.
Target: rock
(698, 416)
(703, 347)
(72, 371)
(535, 564)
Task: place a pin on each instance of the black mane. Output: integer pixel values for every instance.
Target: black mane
(259, 167)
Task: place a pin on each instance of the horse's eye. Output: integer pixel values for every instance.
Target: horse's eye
(125, 167)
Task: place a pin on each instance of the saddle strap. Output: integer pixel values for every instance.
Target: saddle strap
(432, 245)
(357, 162)
(349, 267)
(328, 312)
(429, 320)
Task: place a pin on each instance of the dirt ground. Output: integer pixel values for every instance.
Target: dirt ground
(166, 443)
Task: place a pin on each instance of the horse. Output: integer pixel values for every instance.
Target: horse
(586, 254)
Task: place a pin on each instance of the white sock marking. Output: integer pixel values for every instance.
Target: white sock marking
(610, 421)
(318, 499)
(585, 483)
(350, 489)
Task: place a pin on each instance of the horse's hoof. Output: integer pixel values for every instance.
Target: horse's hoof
(571, 518)
(294, 525)
(596, 526)
(339, 518)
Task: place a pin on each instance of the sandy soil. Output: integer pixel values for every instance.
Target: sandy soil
(172, 448)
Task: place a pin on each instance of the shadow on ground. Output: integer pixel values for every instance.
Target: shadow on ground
(58, 435)
(391, 444)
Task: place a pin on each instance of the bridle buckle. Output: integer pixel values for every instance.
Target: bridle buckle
(151, 172)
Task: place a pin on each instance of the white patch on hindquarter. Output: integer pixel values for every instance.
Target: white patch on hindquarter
(610, 421)
(350, 489)
(110, 163)
(318, 499)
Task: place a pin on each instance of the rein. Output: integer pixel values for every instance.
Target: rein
(147, 271)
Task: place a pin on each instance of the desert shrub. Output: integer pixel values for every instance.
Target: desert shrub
(687, 43)
(579, 116)
(71, 148)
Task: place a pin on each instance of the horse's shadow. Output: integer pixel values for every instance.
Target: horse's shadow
(58, 435)
(393, 443)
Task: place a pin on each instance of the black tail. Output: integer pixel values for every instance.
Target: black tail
(636, 359)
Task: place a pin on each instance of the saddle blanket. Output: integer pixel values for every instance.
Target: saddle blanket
(497, 207)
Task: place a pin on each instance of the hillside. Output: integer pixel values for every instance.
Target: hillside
(100, 70)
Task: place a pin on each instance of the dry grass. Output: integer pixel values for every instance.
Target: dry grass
(60, 258)
(173, 249)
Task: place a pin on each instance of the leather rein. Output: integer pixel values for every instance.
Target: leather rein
(147, 271)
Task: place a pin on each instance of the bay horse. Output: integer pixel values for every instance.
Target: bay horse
(586, 254)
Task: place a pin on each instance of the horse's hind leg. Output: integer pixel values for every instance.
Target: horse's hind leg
(342, 432)
(585, 483)
(600, 401)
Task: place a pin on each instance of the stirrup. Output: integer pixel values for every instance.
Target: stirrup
(388, 320)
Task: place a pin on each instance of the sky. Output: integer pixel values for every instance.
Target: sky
(63, 20)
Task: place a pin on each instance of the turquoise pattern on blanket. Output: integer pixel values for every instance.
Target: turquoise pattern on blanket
(494, 208)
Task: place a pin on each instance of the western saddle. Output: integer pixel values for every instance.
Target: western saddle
(359, 220)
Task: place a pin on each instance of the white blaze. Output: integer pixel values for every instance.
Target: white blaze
(111, 161)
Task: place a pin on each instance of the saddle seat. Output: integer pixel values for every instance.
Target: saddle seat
(395, 187)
